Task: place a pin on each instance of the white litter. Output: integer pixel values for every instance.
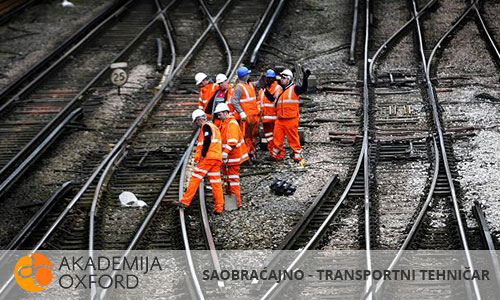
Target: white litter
(128, 199)
(66, 3)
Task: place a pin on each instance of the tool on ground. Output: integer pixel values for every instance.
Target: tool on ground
(282, 187)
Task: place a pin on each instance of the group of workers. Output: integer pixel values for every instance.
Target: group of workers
(229, 119)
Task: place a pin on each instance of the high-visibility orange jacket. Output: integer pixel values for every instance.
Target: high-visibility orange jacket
(232, 142)
(266, 106)
(287, 105)
(248, 100)
(215, 150)
(206, 93)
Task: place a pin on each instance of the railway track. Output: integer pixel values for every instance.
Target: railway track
(10, 8)
(390, 138)
(141, 161)
(34, 116)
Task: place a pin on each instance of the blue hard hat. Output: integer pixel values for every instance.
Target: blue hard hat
(243, 71)
(270, 73)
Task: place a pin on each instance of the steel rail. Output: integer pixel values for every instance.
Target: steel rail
(16, 10)
(168, 31)
(255, 52)
(118, 146)
(152, 212)
(205, 221)
(426, 64)
(354, 31)
(207, 229)
(374, 289)
(67, 54)
(486, 31)
(60, 49)
(300, 226)
(488, 240)
(393, 38)
(142, 229)
(362, 156)
(122, 153)
(37, 152)
(62, 114)
(93, 209)
(200, 40)
(189, 257)
(36, 219)
(221, 36)
(208, 233)
(252, 37)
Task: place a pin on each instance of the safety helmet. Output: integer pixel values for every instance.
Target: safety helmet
(242, 71)
(221, 107)
(198, 113)
(287, 74)
(220, 78)
(199, 77)
(270, 74)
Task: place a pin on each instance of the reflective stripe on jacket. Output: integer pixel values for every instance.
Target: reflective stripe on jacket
(206, 93)
(215, 150)
(287, 105)
(267, 107)
(232, 142)
(248, 100)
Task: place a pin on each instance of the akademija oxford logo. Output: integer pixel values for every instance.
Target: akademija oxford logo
(33, 273)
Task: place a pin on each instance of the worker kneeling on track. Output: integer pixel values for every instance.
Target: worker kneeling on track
(208, 159)
(287, 111)
(234, 150)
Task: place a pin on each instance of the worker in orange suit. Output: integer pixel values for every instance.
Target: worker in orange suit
(287, 111)
(244, 101)
(225, 91)
(234, 150)
(268, 109)
(208, 89)
(208, 159)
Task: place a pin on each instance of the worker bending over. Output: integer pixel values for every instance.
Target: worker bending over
(207, 93)
(287, 111)
(234, 150)
(267, 107)
(208, 159)
(245, 104)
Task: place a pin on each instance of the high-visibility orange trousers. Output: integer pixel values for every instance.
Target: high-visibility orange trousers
(232, 177)
(268, 135)
(250, 130)
(290, 129)
(203, 168)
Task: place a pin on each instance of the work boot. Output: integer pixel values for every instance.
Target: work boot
(218, 213)
(181, 206)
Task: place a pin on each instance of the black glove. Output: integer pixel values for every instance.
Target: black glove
(306, 73)
(269, 95)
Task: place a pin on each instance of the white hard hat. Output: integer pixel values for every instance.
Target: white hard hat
(221, 107)
(220, 78)
(287, 73)
(199, 77)
(198, 113)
